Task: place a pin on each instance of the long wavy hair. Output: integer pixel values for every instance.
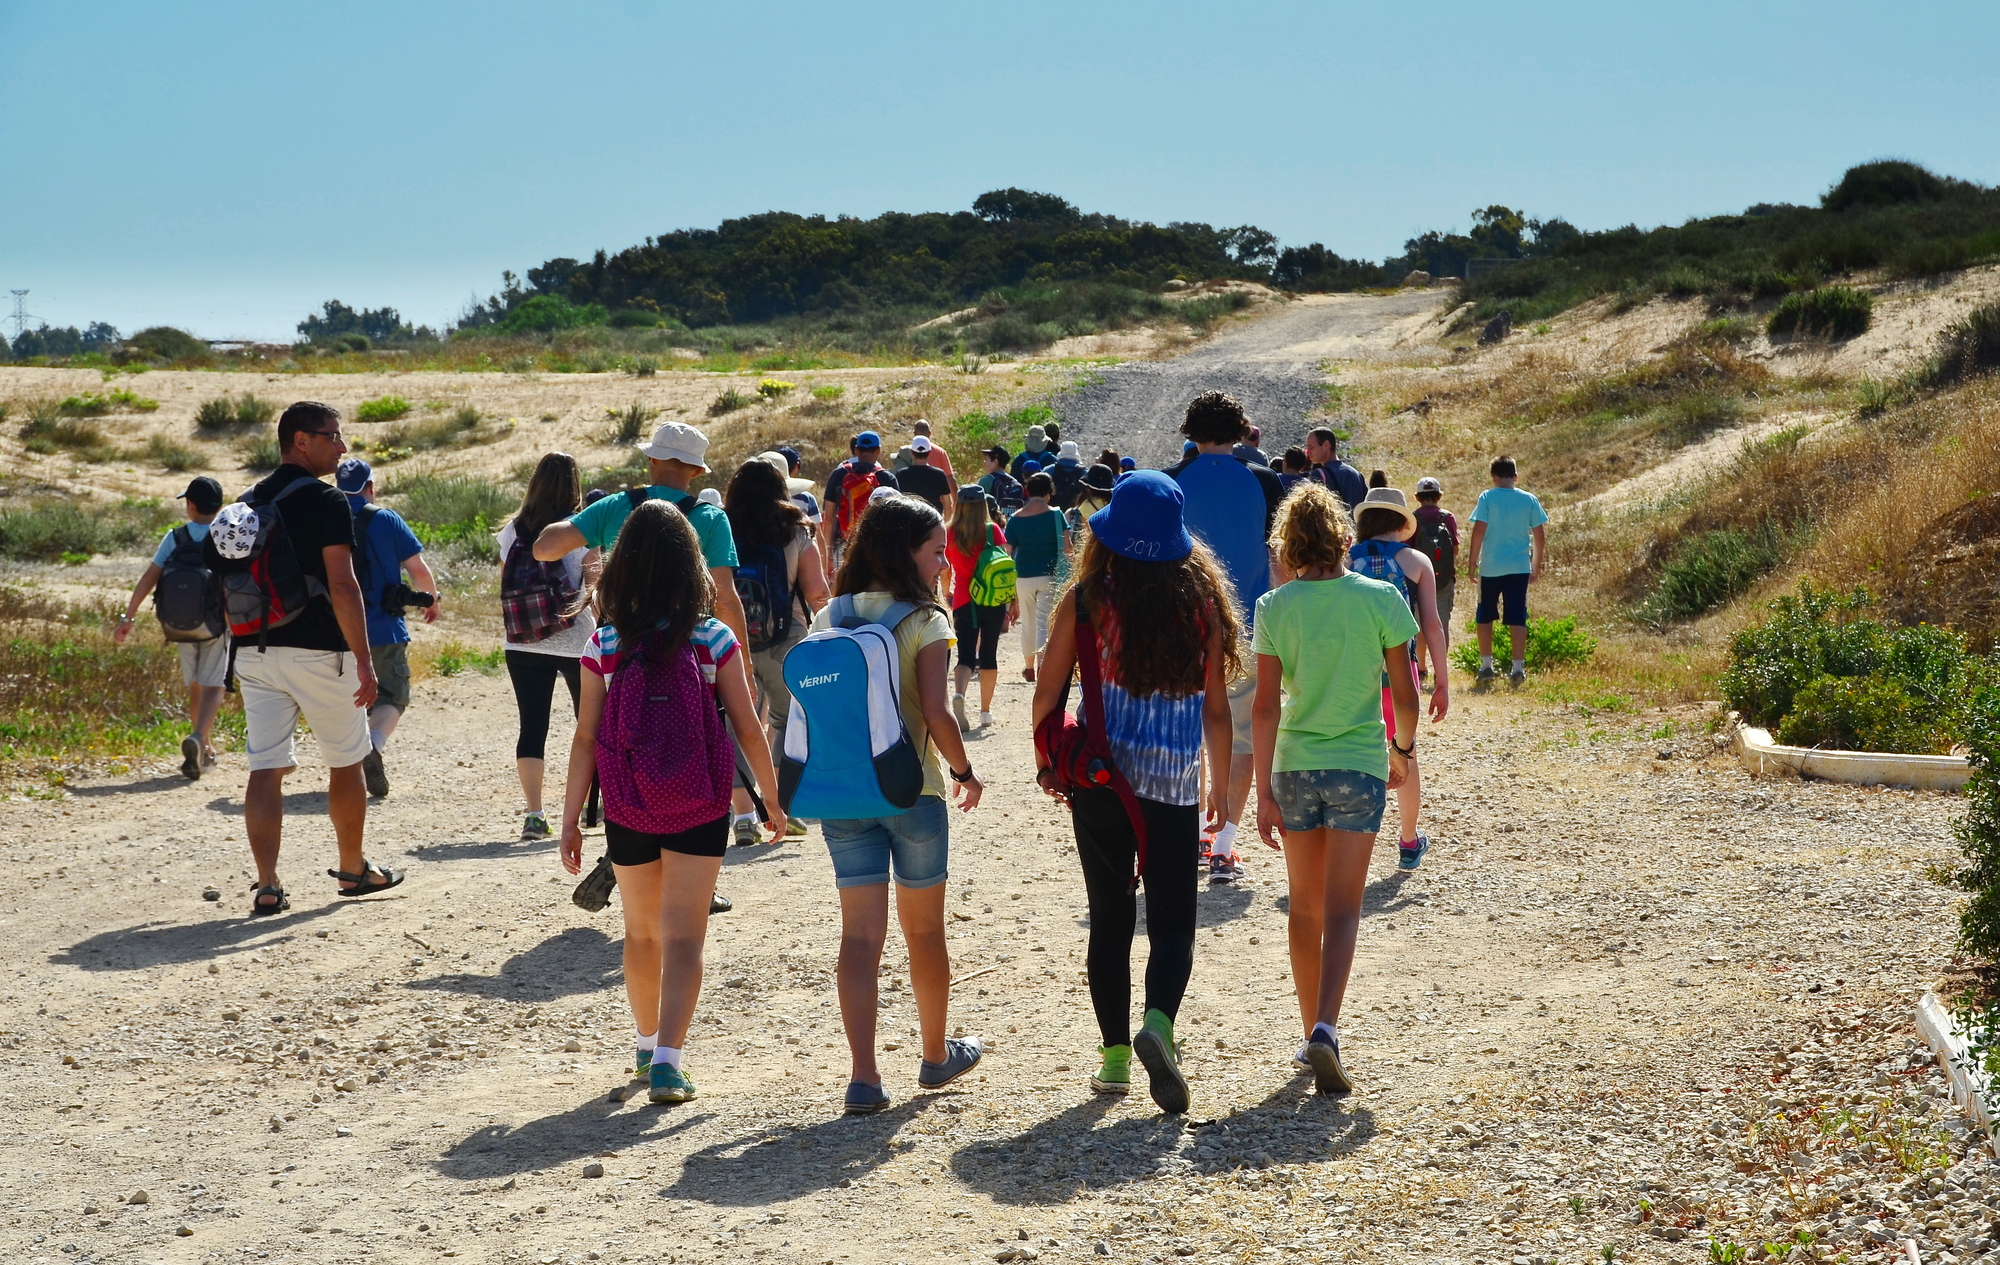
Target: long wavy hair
(656, 586)
(881, 555)
(968, 526)
(1312, 530)
(555, 491)
(1161, 615)
(759, 505)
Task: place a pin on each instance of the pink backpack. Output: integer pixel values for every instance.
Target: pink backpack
(664, 760)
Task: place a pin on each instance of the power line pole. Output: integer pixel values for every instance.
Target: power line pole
(20, 317)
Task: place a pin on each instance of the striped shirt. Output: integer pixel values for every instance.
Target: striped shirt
(713, 644)
(1155, 738)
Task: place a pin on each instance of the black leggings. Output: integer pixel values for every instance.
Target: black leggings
(979, 628)
(1105, 844)
(534, 678)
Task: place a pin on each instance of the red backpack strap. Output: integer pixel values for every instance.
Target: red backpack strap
(1092, 670)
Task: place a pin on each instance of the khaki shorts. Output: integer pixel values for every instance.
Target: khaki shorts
(1242, 697)
(392, 674)
(204, 662)
(282, 683)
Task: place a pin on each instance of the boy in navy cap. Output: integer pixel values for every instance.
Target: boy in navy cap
(204, 663)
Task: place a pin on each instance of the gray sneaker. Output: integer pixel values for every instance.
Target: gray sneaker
(746, 832)
(374, 774)
(1517, 678)
(1486, 676)
(960, 1057)
(191, 758)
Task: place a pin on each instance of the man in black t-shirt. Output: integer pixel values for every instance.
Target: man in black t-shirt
(315, 665)
(925, 481)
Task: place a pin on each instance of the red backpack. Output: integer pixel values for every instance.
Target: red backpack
(665, 762)
(855, 490)
(1072, 756)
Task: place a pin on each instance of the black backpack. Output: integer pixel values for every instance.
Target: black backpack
(186, 599)
(766, 595)
(1069, 484)
(1433, 540)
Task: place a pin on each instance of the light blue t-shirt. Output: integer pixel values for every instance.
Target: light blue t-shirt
(166, 550)
(600, 523)
(1511, 517)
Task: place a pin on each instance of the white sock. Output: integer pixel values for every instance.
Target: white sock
(648, 1040)
(1225, 840)
(1486, 663)
(1520, 665)
(668, 1054)
(1325, 1031)
(746, 816)
(378, 740)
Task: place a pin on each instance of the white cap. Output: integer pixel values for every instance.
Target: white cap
(709, 496)
(1428, 484)
(920, 444)
(880, 495)
(678, 441)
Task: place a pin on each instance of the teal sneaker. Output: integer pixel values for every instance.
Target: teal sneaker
(1156, 1049)
(1114, 1074)
(670, 1084)
(642, 1065)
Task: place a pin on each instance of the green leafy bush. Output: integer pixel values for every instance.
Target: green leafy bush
(629, 424)
(461, 427)
(1713, 568)
(729, 401)
(172, 454)
(49, 529)
(260, 453)
(223, 413)
(1847, 677)
(1969, 347)
(439, 500)
(91, 404)
(165, 343)
(1552, 643)
(385, 408)
(1979, 833)
(547, 313)
(49, 430)
(1833, 311)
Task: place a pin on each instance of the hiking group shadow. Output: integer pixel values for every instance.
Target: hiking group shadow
(172, 944)
(784, 1162)
(600, 1124)
(1068, 1153)
(575, 960)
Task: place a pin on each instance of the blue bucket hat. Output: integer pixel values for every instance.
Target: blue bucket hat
(1144, 519)
(352, 474)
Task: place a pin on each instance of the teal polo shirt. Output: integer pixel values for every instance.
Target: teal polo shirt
(600, 523)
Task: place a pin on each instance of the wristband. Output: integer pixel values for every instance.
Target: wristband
(1405, 752)
(961, 778)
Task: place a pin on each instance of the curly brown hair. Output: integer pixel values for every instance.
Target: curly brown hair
(1214, 417)
(1162, 614)
(656, 587)
(1312, 530)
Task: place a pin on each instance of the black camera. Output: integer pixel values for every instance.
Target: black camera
(398, 598)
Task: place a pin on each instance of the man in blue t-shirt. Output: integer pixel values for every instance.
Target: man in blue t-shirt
(386, 548)
(1230, 504)
(1508, 545)
(1341, 479)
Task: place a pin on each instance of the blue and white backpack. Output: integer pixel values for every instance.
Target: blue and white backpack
(847, 754)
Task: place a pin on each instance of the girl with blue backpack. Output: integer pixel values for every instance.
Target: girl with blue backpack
(1384, 523)
(861, 753)
(1152, 625)
(660, 674)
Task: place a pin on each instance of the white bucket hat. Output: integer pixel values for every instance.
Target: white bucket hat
(678, 441)
(1386, 499)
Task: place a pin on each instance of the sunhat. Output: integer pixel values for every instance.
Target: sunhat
(1386, 499)
(709, 496)
(1037, 437)
(1144, 519)
(1099, 478)
(678, 441)
(776, 459)
(882, 494)
(1069, 452)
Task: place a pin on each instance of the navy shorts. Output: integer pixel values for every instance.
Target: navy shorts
(1503, 593)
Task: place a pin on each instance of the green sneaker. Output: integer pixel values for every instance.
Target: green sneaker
(1115, 1075)
(642, 1064)
(1156, 1049)
(670, 1084)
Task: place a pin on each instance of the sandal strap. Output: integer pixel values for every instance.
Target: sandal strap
(367, 867)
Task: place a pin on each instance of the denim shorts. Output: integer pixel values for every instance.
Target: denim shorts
(916, 842)
(1330, 799)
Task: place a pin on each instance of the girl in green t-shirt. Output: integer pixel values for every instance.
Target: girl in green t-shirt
(1323, 642)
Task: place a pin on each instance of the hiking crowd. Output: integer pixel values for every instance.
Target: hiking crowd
(786, 651)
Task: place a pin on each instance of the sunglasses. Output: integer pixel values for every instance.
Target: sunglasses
(323, 434)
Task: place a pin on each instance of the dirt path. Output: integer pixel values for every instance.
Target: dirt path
(1600, 960)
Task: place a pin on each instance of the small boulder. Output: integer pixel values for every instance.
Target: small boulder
(593, 1170)
(138, 1197)
(1417, 278)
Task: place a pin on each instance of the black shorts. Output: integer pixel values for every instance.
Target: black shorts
(979, 628)
(1504, 596)
(640, 847)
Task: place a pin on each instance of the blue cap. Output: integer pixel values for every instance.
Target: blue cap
(1126, 463)
(352, 474)
(868, 439)
(1144, 519)
(791, 456)
(1188, 449)
(1031, 466)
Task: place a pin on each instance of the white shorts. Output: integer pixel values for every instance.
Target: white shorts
(283, 683)
(204, 662)
(1242, 697)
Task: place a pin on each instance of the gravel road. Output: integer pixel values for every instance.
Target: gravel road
(1272, 364)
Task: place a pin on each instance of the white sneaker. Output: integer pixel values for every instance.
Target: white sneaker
(958, 713)
(985, 719)
(1299, 1059)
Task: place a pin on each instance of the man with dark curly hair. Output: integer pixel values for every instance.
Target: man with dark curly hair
(1230, 506)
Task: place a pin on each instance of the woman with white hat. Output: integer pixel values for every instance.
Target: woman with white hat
(1383, 522)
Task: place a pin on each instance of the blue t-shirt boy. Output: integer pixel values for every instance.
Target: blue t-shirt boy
(1511, 517)
(389, 544)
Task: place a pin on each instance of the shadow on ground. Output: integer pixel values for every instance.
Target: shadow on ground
(171, 944)
(479, 849)
(151, 786)
(1059, 1158)
(786, 1162)
(579, 960)
(499, 1150)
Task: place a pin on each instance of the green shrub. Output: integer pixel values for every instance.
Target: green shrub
(1713, 568)
(47, 530)
(1873, 396)
(1696, 417)
(642, 366)
(223, 413)
(1966, 348)
(165, 343)
(462, 427)
(633, 318)
(729, 401)
(1833, 311)
(48, 431)
(260, 452)
(455, 657)
(828, 394)
(1552, 643)
(547, 313)
(1860, 714)
(172, 454)
(1684, 281)
(441, 500)
(385, 408)
(91, 404)
(1979, 833)
(629, 425)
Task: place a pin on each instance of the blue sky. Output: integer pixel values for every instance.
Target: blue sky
(226, 166)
